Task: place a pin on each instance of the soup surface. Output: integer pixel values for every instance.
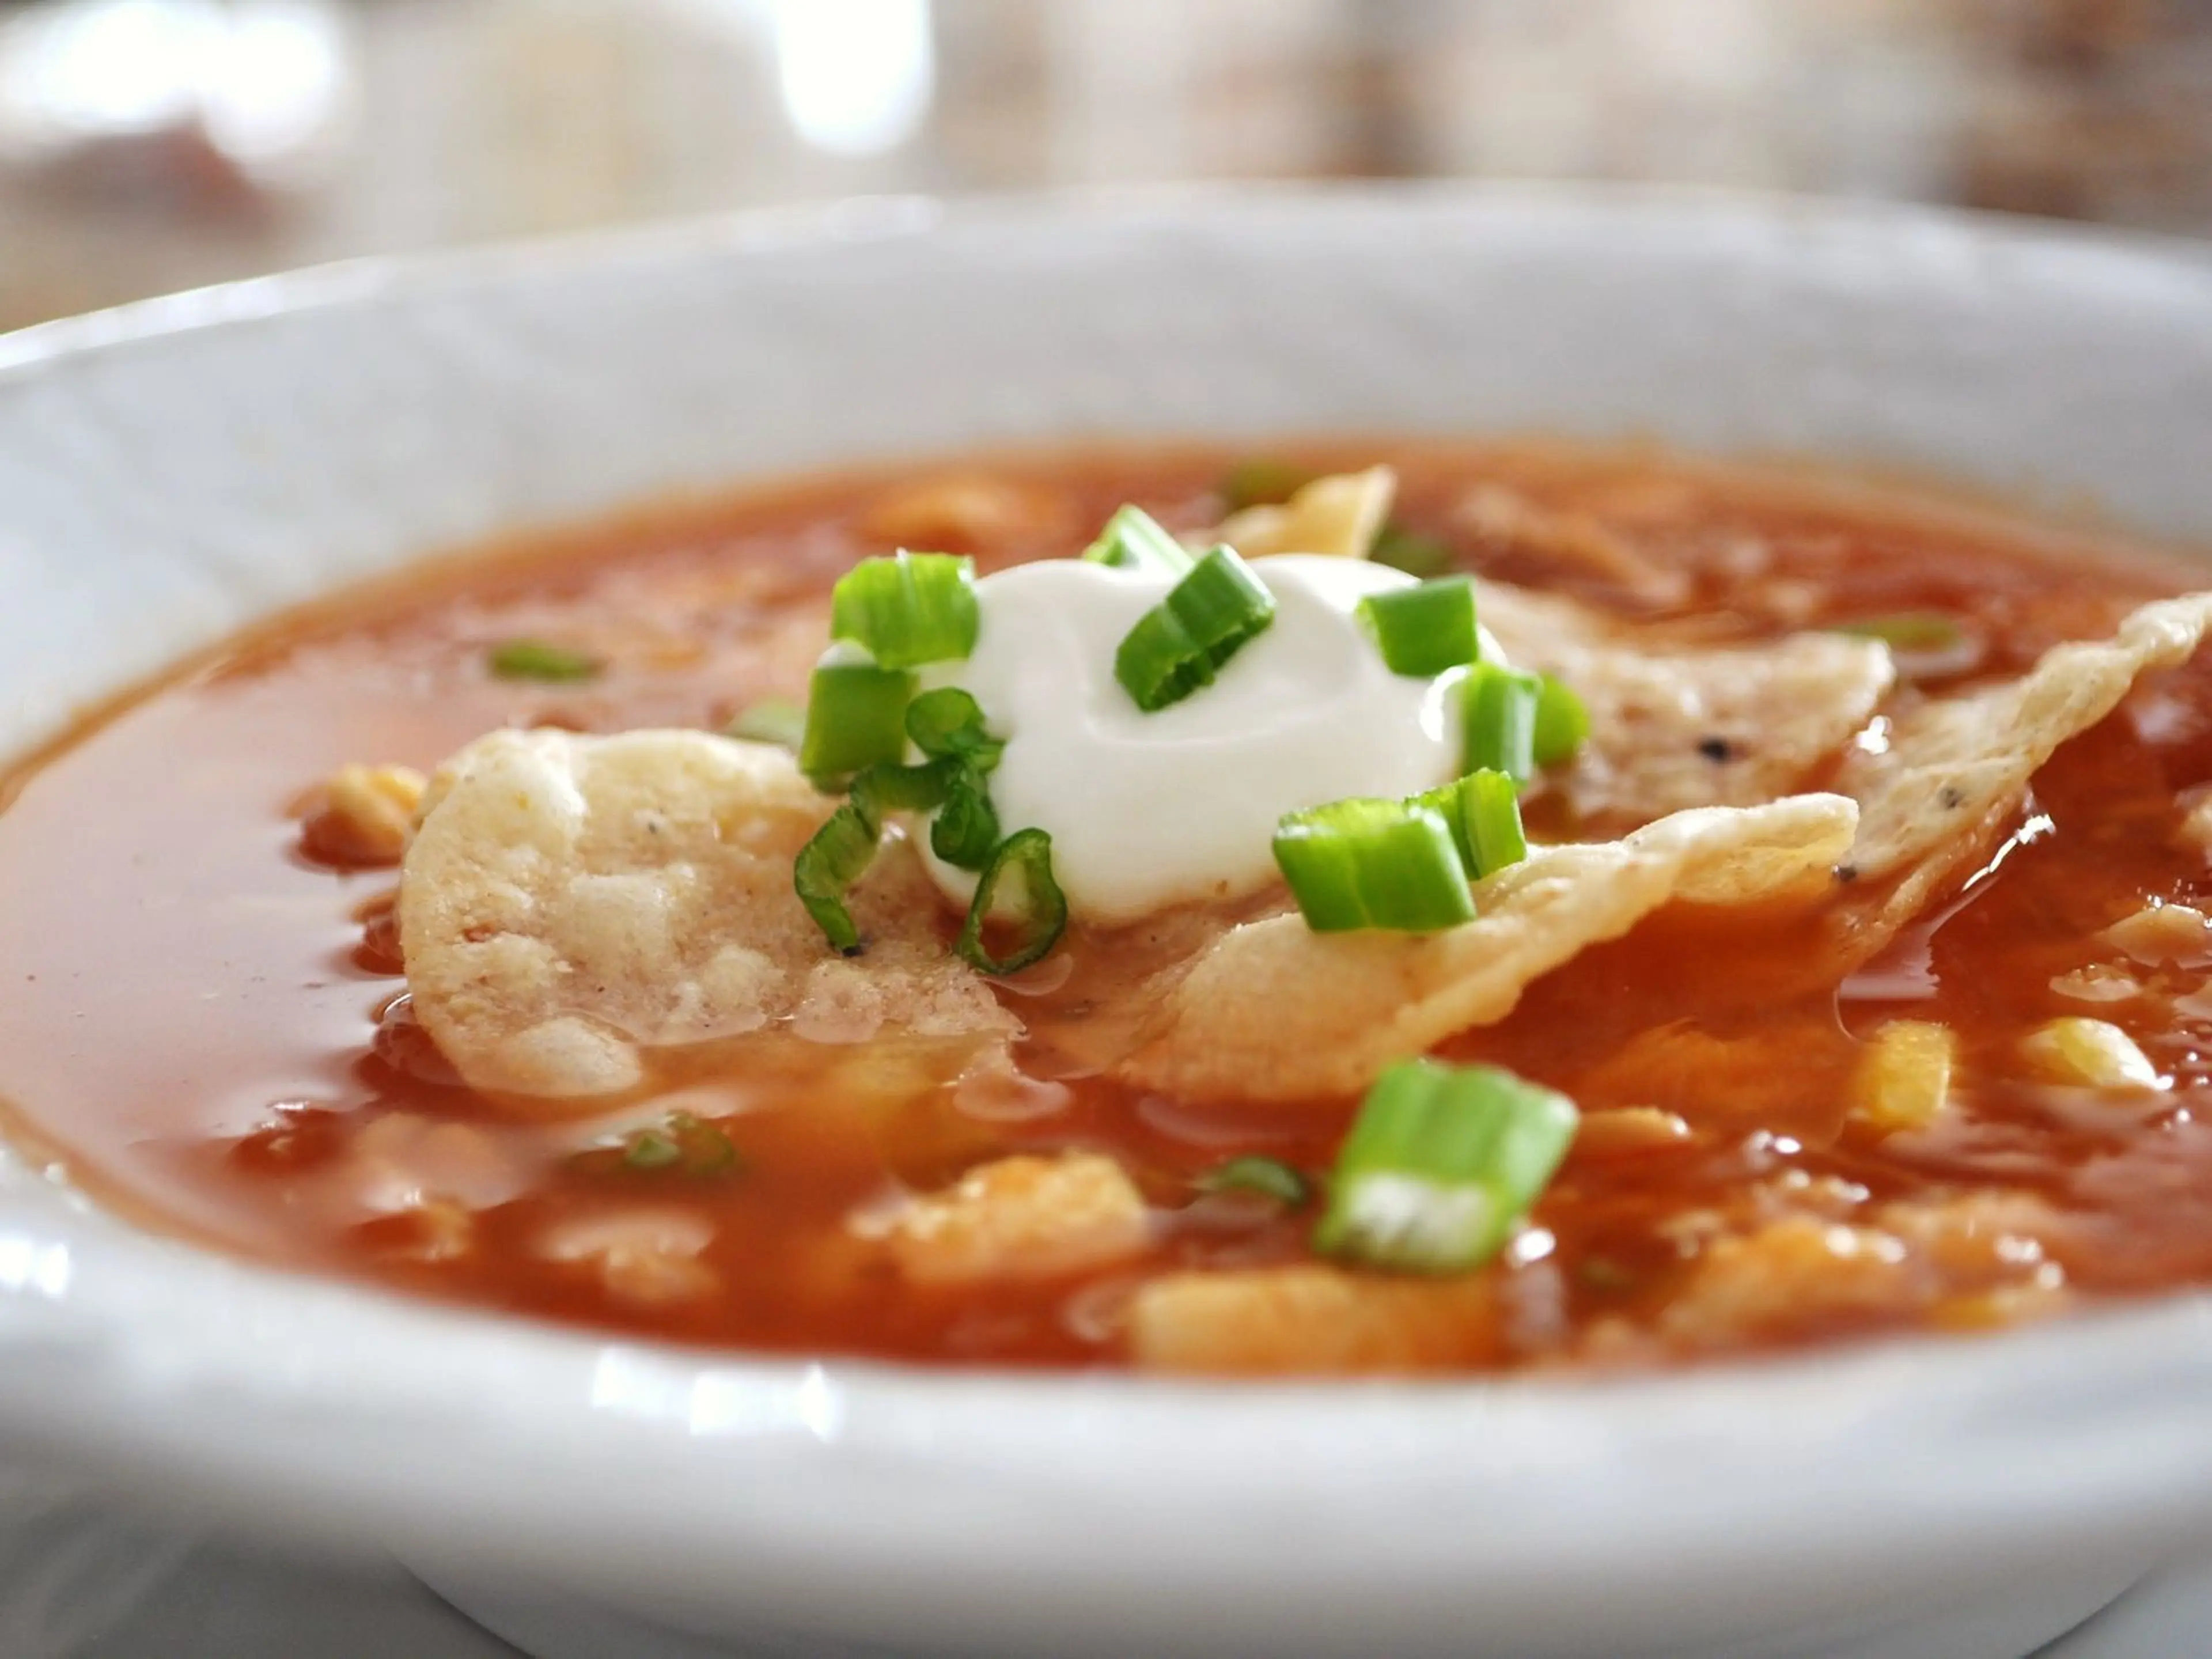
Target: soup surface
(1795, 1124)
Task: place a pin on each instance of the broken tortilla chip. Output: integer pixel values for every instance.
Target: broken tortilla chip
(1675, 727)
(1955, 770)
(1358, 1001)
(1341, 514)
(571, 902)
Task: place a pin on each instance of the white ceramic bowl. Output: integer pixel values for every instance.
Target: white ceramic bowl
(169, 472)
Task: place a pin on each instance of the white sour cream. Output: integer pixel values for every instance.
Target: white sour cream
(1147, 811)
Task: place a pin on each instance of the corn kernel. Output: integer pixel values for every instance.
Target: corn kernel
(2092, 1052)
(1904, 1080)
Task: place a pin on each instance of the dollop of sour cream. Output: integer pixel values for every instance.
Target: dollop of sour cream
(1147, 811)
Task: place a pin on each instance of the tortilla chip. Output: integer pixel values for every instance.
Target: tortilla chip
(1342, 514)
(1312, 1320)
(571, 902)
(1675, 726)
(1503, 519)
(1955, 770)
(1273, 1010)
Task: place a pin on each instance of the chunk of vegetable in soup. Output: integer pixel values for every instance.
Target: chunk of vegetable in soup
(1773, 986)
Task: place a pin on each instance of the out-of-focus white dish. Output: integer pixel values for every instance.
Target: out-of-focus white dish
(169, 472)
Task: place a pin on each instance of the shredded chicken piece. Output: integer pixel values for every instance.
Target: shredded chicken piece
(1506, 519)
(571, 903)
(1358, 1001)
(2160, 934)
(968, 514)
(1978, 1259)
(1022, 1217)
(1312, 1319)
(364, 815)
(1674, 726)
(1341, 514)
(649, 1256)
(1903, 1080)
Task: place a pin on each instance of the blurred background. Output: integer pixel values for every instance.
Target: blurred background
(148, 145)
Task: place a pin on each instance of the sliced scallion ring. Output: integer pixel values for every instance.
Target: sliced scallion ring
(1410, 551)
(772, 719)
(539, 660)
(827, 866)
(908, 610)
(886, 788)
(1134, 540)
(965, 831)
(1424, 631)
(855, 717)
(1181, 643)
(1262, 481)
(1392, 864)
(1499, 710)
(1440, 1164)
(1018, 878)
(1483, 813)
(1269, 1176)
(1562, 723)
(948, 723)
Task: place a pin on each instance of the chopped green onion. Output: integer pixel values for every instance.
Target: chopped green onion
(1562, 723)
(1386, 864)
(1489, 807)
(948, 723)
(1908, 630)
(966, 829)
(536, 660)
(1180, 644)
(827, 866)
(909, 609)
(682, 1143)
(1134, 540)
(774, 720)
(1020, 873)
(1441, 1163)
(855, 718)
(1410, 551)
(1259, 481)
(886, 788)
(1423, 631)
(1269, 1176)
(1499, 710)
(1483, 813)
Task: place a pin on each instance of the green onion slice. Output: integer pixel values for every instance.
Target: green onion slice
(1440, 1164)
(1909, 630)
(1181, 643)
(1134, 540)
(1269, 1176)
(827, 866)
(1489, 807)
(1483, 813)
(1261, 481)
(1562, 723)
(1499, 710)
(537, 659)
(948, 723)
(1018, 877)
(1423, 631)
(681, 1143)
(965, 832)
(855, 717)
(909, 609)
(886, 788)
(1386, 864)
(773, 719)
(1410, 551)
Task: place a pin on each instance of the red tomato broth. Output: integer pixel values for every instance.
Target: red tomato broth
(210, 1048)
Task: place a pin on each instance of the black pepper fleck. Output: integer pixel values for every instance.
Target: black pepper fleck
(1715, 749)
(1949, 797)
(1847, 873)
